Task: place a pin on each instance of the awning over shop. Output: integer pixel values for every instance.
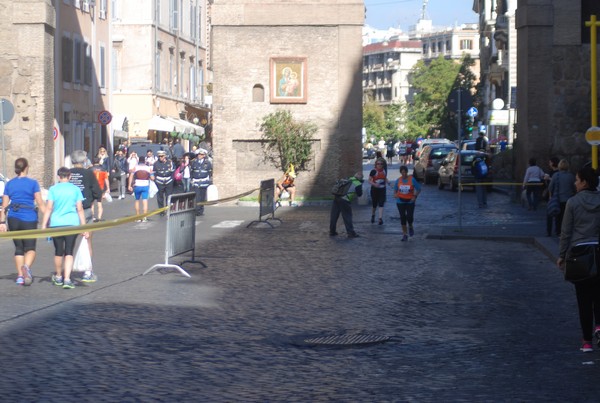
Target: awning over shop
(161, 124)
(183, 126)
(168, 124)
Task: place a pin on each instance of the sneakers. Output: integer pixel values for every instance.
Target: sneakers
(57, 280)
(404, 238)
(333, 233)
(20, 281)
(353, 235)
(27, 277)
(586, 347)
(145, 219)
(89, 277)
(68, 284)
(411, 231)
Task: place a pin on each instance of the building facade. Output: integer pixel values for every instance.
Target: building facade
(498, 58)
(386, 67)
(82, 80)
(159, 68)
(259, 45)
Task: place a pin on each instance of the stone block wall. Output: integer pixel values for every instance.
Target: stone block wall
(554, 88)
(27, 81)
(247, 34)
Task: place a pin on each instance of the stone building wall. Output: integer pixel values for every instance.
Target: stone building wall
(27, 81)
(553, 97)
(246, 35)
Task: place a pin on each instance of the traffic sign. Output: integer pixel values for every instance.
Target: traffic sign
(472, 112)
(592, 136)
(104, 117)
(55, 133)
(8, 110)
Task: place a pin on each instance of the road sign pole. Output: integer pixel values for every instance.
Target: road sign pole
(459, 161)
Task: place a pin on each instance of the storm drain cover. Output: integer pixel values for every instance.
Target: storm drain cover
(347, 339)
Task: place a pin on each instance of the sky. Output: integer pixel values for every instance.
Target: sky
(383, 14)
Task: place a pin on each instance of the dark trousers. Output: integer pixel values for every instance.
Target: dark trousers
(588, 302)
(200, 197)
(407, 213)
(556, 219)
(164, 191)
(533, 194)
(343, 207)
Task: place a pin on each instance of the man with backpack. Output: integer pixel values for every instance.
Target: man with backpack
(480, 169)
(344, 192)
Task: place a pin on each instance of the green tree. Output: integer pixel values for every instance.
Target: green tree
(433, 83)
(287, 141)
(374, 119)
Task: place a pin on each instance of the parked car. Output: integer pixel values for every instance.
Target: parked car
(448, 172)
(427, 142)
(428, 164)
(468, 145)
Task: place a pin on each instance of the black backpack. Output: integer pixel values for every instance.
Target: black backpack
(341, 187)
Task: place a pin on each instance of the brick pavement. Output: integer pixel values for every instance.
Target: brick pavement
(470, 320)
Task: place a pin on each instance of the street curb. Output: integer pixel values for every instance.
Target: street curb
(546, 245)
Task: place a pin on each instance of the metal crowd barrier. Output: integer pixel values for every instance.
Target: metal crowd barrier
(267, 204)
(181, 231)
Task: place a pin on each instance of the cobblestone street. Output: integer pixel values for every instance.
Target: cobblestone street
(468, 319)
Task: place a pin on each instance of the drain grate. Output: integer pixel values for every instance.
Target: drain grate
(347, 339)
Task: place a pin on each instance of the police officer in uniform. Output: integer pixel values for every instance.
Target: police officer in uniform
(163, 177)
(201, 172)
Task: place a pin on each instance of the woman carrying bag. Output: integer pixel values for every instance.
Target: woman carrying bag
(581, 223)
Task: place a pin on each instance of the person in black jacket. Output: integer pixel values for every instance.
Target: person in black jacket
(163, 177)
(201, 172)
(85, 180)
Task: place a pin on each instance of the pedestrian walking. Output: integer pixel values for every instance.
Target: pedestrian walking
(201, 168)
(139, 184)
(184, 169)
(120, 170)
(85, 180)
(563, 185)
(21, 197)
(480, 169)
(163, 177)
(581, 224)
(64, 208)
(532, 184)
(342, 204)
(102, 177)
(406, 191)
(378, 181)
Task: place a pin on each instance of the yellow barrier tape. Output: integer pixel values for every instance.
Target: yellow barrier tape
(97, 226)
(499, 183)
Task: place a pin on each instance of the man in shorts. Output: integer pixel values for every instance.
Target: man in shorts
(139, 184)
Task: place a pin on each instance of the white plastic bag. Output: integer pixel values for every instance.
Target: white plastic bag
(153, 190)
(108, 197)
(83, 260)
